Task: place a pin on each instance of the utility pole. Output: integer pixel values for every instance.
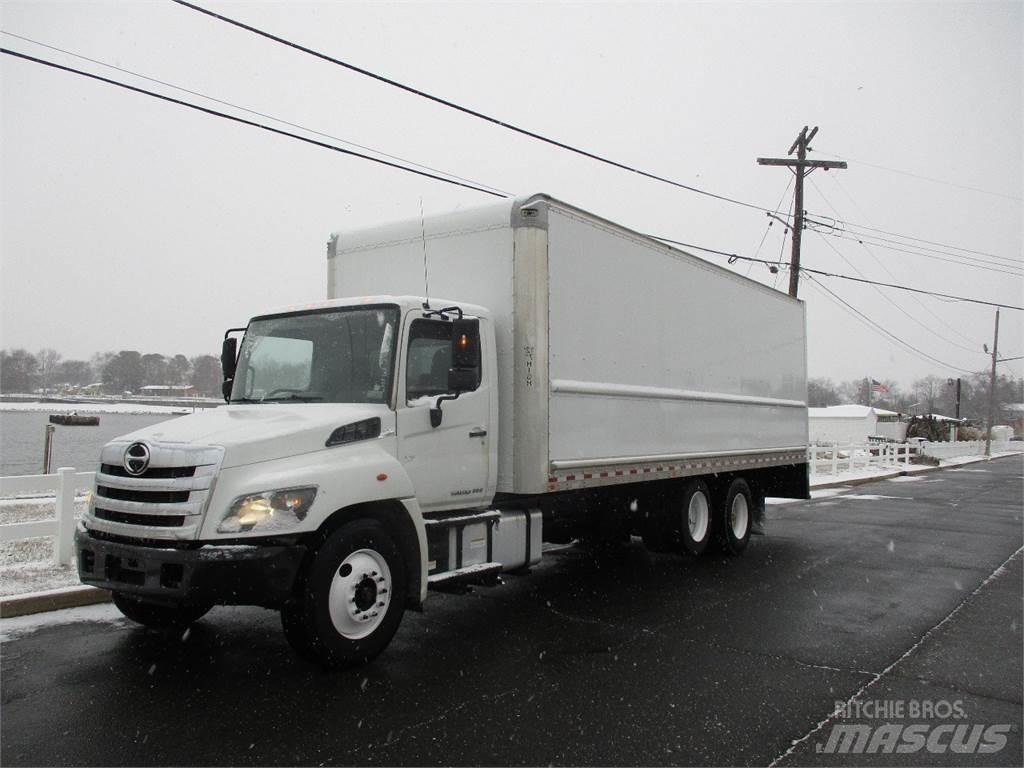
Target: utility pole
(951, 382)
(801, 167)
(992, 389)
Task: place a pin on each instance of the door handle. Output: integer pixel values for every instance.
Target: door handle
(478, 432)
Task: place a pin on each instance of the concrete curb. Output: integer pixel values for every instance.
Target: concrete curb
(51, 600)
(901, 473)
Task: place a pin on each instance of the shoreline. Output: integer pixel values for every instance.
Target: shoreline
(140, 407)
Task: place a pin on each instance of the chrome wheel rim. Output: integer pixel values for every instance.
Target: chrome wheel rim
(360, 594)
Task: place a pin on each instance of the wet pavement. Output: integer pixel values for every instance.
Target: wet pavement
(905, 590)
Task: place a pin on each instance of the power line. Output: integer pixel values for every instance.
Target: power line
(917, 299)
(836, 226)
(251, 123)
(850, 225)
(878, 290)
(315, 132)
(823, 273)
(465, 110)
(934, 257)
(885, 331)
(472, 112)
(768, 229)
(885, 296)
(451, 181)
(925, 178)
(1003, 261)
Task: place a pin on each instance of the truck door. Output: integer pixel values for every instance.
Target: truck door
(448, 464)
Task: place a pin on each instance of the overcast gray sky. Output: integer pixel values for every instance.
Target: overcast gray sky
(129, 223)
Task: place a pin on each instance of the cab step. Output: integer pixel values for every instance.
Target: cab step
(479, 573)
(461, 519)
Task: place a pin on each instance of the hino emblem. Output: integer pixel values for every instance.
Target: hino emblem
(136, 459)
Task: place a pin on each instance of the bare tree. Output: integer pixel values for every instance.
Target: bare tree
(48, 360)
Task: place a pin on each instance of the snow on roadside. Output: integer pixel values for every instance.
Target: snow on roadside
(133, 409)
(13, 628)
(37, 575)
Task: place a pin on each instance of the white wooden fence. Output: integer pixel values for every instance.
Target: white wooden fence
(834, 458)
(969, 448)
(62, 527)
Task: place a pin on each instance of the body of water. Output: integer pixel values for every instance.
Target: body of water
(23, 434)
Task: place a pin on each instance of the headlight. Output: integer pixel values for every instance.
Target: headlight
(268, 511)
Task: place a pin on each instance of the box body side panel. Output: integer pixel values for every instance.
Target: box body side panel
(654, 352)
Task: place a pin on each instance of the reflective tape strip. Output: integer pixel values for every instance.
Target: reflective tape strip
(609, 476)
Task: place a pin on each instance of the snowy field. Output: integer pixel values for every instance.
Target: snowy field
(92, 408)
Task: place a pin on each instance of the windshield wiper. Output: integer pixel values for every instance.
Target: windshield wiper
(242, 400)
(291, 398)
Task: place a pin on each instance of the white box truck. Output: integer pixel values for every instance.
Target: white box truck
(577, 381)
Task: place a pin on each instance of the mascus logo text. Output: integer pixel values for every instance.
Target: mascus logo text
(960, 738)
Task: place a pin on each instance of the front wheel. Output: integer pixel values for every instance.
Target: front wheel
(158, 615)
(352, 598)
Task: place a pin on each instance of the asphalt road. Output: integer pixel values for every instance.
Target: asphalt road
(897, 591)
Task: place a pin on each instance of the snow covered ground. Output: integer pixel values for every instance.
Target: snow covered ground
(82, 408)
(832, 485)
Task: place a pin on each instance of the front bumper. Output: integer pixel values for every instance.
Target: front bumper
(248, 574)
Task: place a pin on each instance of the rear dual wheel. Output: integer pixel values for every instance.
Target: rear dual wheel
(695, 517)
(735, 517)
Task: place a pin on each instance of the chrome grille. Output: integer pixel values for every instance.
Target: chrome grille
(167, 501)
(152, 473)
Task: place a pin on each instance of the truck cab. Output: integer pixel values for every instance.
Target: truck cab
(347, 421)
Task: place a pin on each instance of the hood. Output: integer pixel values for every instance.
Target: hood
(253, 433)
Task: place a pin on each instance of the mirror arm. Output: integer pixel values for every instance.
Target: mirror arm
(435, 412)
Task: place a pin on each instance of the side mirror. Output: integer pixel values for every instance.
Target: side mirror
(229, 357)
(228, 362)
(464, 374)
(466, 343)
(462, 379)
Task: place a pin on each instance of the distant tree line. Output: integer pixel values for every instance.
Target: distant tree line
(22, 371)
(928, 395)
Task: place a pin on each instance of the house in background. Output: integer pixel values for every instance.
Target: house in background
(854, 424)
(1013, 415)
(168, 390)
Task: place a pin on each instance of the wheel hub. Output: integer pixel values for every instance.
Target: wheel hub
(365, 594)
(697, 517)
(360, 594)
(739, 516)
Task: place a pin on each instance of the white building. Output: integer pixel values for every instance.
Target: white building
(854, 424)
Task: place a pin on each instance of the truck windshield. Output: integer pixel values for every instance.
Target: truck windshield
(341, 355)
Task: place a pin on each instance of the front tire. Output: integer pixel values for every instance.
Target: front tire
(736, 517)
(352, 598)
(158, 615)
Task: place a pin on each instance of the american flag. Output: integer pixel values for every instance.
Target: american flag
(879, 388)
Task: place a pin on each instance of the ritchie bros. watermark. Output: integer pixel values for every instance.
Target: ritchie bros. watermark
(936, 727)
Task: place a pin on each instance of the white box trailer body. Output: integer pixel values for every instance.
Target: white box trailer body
(620, 358)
